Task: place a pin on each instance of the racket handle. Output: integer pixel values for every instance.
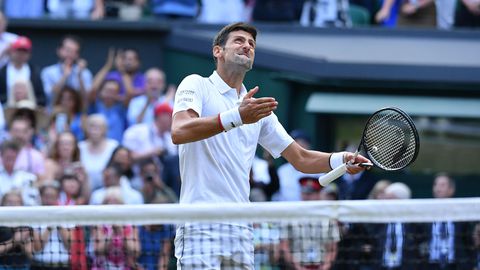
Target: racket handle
(332, 175)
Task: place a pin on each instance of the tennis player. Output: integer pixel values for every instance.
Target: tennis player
(217, 125)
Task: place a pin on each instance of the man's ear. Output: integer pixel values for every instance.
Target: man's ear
(217, 51)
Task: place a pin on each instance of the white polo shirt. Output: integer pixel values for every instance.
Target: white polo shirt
(217, 169)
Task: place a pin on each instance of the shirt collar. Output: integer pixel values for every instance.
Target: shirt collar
(222, 86)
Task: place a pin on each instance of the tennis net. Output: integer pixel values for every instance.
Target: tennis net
(370, 234)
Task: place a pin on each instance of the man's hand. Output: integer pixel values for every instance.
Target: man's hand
(352, 162)
(253, 109)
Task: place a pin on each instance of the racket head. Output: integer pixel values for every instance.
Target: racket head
(390, 139)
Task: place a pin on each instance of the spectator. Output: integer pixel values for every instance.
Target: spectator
(323, 13)
(107, 105)
(155, 141)
(6, 39)
(29, 159)
(69, 107)
(174, 9)
(71, 190)
(11, 178)
(15, 242)
(221, 12)
(468, 14)
(31, 9)
(115, 246)
(111, 178)
(19, 68)
(448, 241)
(77, 9)
(127, 73)
(290, 190)
(21, 90)
(96, 150)
(154, 189)
(378, 190)
(311, 245)
(396, 245)
(51, 244)
(63, 156)
(417, 13)
(264, 190)
(141, 108)
(122, 156)
(388, 13)
(71, 71)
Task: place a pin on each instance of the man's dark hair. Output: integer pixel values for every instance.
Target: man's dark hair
(450, 179)
(222, 36)
(73, 38)
(9, 145)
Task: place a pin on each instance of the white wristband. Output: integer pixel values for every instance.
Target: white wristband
(336, 159)
(231, 119)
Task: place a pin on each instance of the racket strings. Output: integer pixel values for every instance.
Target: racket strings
(390, 140)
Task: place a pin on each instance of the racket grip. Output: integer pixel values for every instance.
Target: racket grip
(332, 175)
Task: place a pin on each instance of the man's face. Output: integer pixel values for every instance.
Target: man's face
(131, 61)
(20, 56)
(110, 178)
(9, 156)
(21, 131)
(442, 188)
(69, 52)
(49, 196)
(239, 50)
(155, 82)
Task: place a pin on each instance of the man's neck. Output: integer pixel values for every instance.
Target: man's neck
(232, 78)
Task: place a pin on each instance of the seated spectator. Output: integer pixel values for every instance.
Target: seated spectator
(122, 156)
(155, 141)
(154, 189)
(71, 71)
(51, 244)
(29, 159)
(6, 39)
(64, 156)
(31, 9)
(378, 190)
(69, 108)
(141, 108)
(127, 72)
(77, 9)
(16, 247)
(11, 178)
(71, 190)
(21, 90)
(261, 188)
(96, 150)
(111, 178)
(468, 14)
(19, 68)
(174, 9)
(115, 246)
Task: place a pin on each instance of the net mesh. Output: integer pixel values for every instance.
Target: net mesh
(390, 140)
(298, 235)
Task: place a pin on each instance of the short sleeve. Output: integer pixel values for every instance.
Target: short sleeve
(189, 95)
(273, 136)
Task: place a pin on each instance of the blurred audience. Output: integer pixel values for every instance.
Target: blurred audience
(69, 113)
(175, 9)
(154, 190)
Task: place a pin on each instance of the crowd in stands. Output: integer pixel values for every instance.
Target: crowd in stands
(441, 14)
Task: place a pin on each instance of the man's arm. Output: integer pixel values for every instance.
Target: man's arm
(187, 126)
(309, 161)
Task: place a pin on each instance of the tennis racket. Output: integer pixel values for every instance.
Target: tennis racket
(390, 141)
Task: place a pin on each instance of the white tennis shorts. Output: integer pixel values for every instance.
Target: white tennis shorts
(217, 246)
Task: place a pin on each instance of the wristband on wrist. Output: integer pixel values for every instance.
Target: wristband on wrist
(230, 119)
(219, 120)
(336, 159)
